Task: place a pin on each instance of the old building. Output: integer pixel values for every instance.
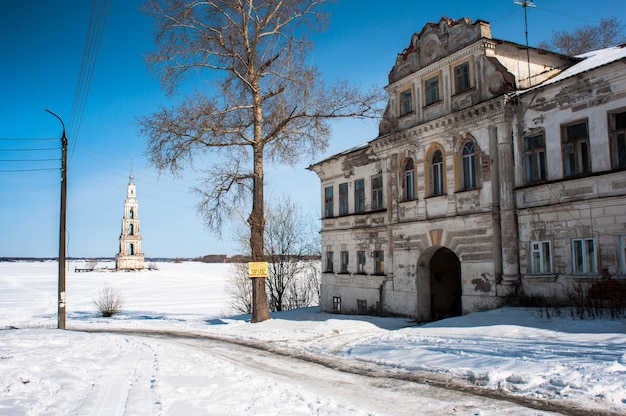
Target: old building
(436, 216)
(130, 256)
(570, 175)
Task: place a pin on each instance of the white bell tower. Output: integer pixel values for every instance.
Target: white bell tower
(130, 256)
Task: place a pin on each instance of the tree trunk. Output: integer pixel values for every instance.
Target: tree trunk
(260, 310)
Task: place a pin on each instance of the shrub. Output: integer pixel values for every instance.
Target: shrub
(109, 301)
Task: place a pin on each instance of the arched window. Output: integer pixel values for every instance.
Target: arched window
(131, 213)
(469, 166)
(131, 229)
(131, 249)
(436, 166)
(409, 180)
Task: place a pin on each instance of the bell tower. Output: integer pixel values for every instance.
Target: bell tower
(130, 256)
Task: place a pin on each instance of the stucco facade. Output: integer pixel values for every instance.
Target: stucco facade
(432, 218)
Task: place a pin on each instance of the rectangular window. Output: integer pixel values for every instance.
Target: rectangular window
(361, 307)
(431, 86)
(576, 154)
(583, 256)
(360, 265)
(540, 257)
(379, 262)
(535, 158)
(377, 192)
(345, 259)
(462, 77)
(328, 202)
(329, 261)
(618, 139)
(336, 304)
(343, 198)
(406, 102)
(359, 195)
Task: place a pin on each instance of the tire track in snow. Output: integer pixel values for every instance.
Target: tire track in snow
(376, 371)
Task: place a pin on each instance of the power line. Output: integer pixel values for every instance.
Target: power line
(30, 150)
(97, 21)
(26, 139)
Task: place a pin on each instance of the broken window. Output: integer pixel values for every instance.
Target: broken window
(328, 202)
(360, 265)
(432, 90)
(540, 257)
(576, 152)
(377, 192)
(469, 166)
(583, 255)
(409, 180)
(345, 258)
(618, 139)
(535, 158)
(462, 77)
(359, 195)
(343, 198)
(406, 102)
(437, 173)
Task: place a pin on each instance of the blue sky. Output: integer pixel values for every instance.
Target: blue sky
(41, 47)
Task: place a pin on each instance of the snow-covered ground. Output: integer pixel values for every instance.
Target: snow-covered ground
(508, 352)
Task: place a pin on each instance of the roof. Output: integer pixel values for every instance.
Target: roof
(590, 60)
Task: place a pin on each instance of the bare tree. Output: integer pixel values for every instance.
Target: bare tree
(239, 288)
(267, 101)
(292, 251)
(609, 32)
(291, 240)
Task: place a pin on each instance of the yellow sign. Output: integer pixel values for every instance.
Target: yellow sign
(257, 269)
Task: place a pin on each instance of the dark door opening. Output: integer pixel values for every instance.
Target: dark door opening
(445, 285)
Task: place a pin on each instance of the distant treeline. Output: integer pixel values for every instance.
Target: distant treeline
(209, 258)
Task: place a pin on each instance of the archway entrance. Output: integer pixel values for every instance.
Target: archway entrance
(438, 285)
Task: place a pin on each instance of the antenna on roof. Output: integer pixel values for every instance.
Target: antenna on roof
(525, 4)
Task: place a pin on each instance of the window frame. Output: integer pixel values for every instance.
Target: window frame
(432, 93)
(467, 76)
(359, 195)
(405, 101)
(535, 161)
(468, 162)
(345, 262)
(409, 180)
(328, 202)
(330, 260)
(622, 254)
(378, 201)
(343, 199)
(617, 137)
(588, 262)
(379, 262)
(576, 150)
(361, 265)
(437, 177)
(543, 266)
(336, 304)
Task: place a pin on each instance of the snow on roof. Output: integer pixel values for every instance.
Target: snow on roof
(590, 60)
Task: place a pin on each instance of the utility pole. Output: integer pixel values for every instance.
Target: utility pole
(62, 220)
(525, 4)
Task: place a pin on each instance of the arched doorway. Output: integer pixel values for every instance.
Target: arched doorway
(439, 288)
